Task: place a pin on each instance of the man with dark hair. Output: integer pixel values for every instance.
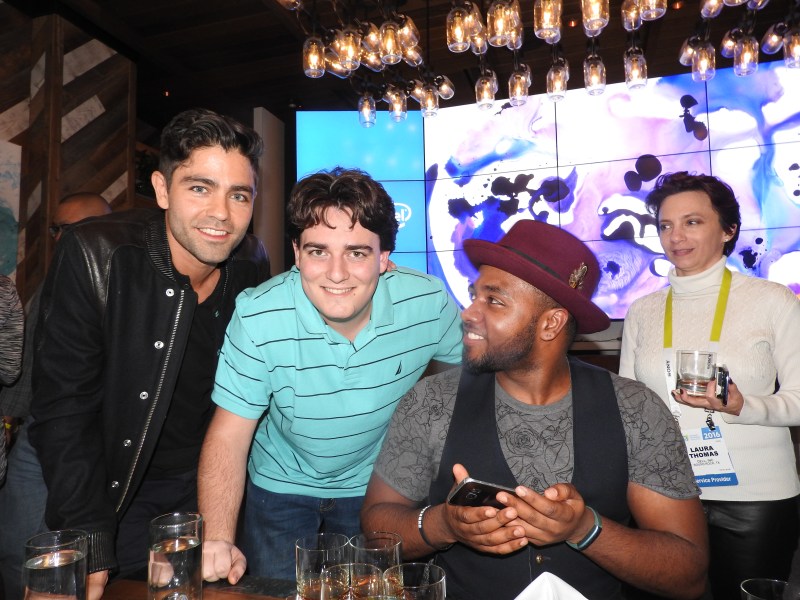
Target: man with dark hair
(585, 452)
(314, 363)
(23, 498)
(134, 310)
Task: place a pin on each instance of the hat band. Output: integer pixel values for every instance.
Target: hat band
(534, 261)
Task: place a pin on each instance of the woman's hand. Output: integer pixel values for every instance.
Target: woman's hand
(710, 400)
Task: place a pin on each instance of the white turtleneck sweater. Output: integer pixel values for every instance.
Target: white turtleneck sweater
(760, 342)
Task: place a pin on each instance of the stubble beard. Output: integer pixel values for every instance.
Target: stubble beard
(509, 357)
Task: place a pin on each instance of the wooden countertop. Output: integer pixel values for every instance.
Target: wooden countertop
(249, 588)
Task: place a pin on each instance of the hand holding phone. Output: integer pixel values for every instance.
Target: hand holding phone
(473, 492)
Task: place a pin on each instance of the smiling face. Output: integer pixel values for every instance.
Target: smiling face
(209, 203)
(339, 267)
(500, 324)
(690, 232)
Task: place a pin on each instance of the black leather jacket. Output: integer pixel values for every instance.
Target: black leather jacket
(114, 320)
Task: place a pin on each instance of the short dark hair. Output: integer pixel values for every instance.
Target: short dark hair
(352, 190)
(202, 128)
(723, 200)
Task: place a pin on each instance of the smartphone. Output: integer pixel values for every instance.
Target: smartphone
(472, 492)
(723, 378)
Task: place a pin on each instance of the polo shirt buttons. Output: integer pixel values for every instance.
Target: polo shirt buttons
(170, 292)
(126, 443)
(115, 484)
(539, 559)
(159, 345)
(144, 395)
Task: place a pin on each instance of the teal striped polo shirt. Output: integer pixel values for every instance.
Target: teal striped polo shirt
(328, 401)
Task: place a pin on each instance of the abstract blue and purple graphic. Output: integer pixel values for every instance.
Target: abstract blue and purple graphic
(587, 163)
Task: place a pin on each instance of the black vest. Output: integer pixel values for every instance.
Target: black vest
(600, 475)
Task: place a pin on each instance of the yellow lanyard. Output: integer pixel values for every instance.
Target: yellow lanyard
(719, 313)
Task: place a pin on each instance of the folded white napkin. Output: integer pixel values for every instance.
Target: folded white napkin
(550, 587)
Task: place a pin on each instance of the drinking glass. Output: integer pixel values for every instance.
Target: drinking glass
(313, 554)
(695, 369)
(380, 548)
(763, 589)
(415, 581)
(175, 571)
(55, 566)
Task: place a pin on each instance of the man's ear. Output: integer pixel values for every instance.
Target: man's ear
(553, 323)
(162, 189)
(385, 261)
(296, 254)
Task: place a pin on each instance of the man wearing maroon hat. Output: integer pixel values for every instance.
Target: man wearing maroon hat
(587, 452)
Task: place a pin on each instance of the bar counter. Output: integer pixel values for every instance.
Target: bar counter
(248, 588)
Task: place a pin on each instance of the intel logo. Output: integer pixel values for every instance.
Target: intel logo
(402, 213)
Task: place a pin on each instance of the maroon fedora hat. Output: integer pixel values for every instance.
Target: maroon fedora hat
(552, 260)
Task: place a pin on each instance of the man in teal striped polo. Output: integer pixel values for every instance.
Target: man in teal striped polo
(314, 362)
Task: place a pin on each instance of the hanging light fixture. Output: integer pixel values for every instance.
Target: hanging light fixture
(733, 2)
(313, 57)
(728, 44)
(791, 48)
(407, 33)
(518, 83)
(429, 103)
(458, 33)
(652, 9)
(547, 19)
(710, 9)
(366, 110)
(497, 23)
(631, 15)
(397, 99)
(745, 56)
(704, 62)
(347, 45)
(412, 56)
(773, 38)
(595, 16)
(594, 71)
(557, 78)
(333, 66)
(485, 88)
(445, 87)
(415, 89)
(756, 4)
(635, 68)
(371, 60)
(515, 29)
(371, 38)
(391, 50)
(687, 50)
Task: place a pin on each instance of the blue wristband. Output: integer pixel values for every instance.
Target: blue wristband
(591, 536)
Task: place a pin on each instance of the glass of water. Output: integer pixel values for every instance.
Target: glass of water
(55, 566)
(175, 570)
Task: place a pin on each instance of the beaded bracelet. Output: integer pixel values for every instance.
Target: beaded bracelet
(591, 536)
(422, 531)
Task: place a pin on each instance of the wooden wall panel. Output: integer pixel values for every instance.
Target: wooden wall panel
(69, 101)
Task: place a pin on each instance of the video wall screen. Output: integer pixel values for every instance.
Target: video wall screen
(584, 164)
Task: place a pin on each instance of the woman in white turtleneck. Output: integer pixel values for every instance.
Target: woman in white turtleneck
(753, 518)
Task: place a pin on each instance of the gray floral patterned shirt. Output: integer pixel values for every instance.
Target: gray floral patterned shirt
(536, 440)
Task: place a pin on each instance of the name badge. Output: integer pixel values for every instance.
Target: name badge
(708, 453)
